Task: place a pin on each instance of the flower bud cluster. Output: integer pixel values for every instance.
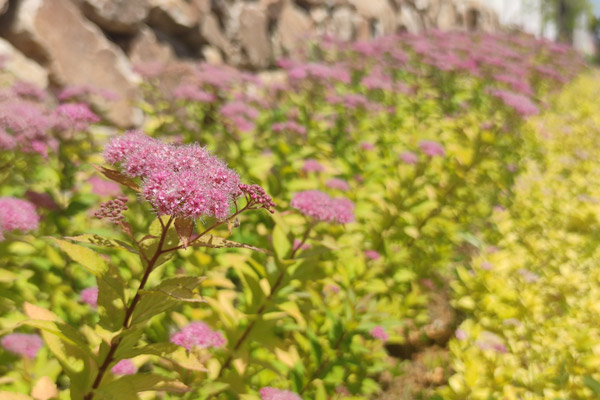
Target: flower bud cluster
(257, 197)
(112, 209)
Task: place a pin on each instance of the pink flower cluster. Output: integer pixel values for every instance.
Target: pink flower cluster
(124, 367)
(520, 103)
(431, 148)
(337, 183)
(179, 180)
(311, 165)
(198, 335)
(24, 124)
(192, 93)
(372, 255)
(73, 117)
(409, 157)
(321, 207)
(289, 126)
(90, 296)
(270, 393)
(379, 332)
(103, 187)
(241, 114)
(17, 214)
(23, 344)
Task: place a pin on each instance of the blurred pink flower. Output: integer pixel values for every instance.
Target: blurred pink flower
(17, 214)
(124, 367)
(431, 148)
(270, 393)
(198, 335)
(90, 296)
(372, 255)
(311, 165)
(321, 207)
(379, 332)
(103, 187)
(23, 344)
(339, 184)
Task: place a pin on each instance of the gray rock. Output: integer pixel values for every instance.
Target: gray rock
(117, 16)
(147, 48)
(21, 67)
(293, 28)
(254, 35)
(75, 52)
(174, 17)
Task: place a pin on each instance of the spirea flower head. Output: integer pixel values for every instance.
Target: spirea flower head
(522, 104)
(339, 184)
(379, 332)
(73, 116)
(198, 335)
(431, 148)
(23, 344)
(270, 393)
(321, 207)
(17, 214)
(179, 180)
(409, 157)
(192, 93)
(311, 165)
(372, 255)
(124, 367)
(90, 296)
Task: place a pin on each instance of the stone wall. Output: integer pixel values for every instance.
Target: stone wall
(96, 42)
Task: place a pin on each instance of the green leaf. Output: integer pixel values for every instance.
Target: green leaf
(67, 345)
(315, 347)
(592, 384)
(163, 349)
(111, 287)
(165, 296)
(127, 387)
(98, 240)
(88, 258)
(281, 243)
(217, 242)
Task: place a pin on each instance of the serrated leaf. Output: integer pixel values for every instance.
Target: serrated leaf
(124, 387)
(111, 287)
(281, 242)
(165, 296)
(98, 240)
(217, 242)
(117, 177)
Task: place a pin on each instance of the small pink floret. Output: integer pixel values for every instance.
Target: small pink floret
(409, 157)
(90, 296)
(270, 393)
(379, 332)
(124, 367)
(198, 335)
(311, 165)
(23, 344)
(339, 184)
(372, 255)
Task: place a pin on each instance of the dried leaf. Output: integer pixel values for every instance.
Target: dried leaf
(44, 389)
(184, 228)
(118, 177)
